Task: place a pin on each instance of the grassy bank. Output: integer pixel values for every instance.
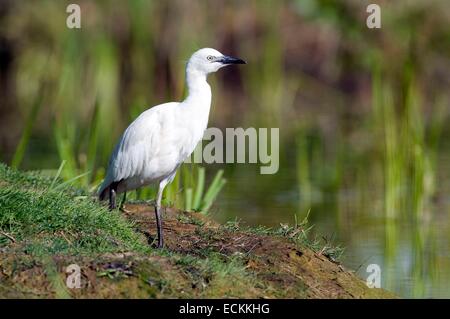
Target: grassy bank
(46, 226)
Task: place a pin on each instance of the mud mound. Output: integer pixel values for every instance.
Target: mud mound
(201, 259)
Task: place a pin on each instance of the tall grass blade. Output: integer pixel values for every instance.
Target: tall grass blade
(188, 199)
(199, 187)
(212, 192)
(25, 138)
(92, 143)
(58, 173)
(71, 180)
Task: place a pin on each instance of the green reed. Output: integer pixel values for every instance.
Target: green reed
(189, 191)
(410, 148)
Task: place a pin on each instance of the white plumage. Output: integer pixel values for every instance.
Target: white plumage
(156, 143)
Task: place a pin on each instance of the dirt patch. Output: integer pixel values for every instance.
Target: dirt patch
(201, 259)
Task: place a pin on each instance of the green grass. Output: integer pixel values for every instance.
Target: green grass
(64, 220)
(45, 219)
(298, 233)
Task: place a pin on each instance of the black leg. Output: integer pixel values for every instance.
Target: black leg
(112, 196)
(124, 198)
(162, 184)
(159, 226)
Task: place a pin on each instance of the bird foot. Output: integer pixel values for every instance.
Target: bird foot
(124, 210)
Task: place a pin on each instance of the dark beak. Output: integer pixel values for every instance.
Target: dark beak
(230, 60)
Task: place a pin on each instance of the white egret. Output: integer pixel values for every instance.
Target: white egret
(158, 141)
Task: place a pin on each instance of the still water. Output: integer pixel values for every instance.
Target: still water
(414, 256)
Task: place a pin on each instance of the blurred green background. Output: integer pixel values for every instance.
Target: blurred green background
(363, 113)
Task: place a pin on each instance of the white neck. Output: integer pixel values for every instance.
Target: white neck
(196, 84)
(198, 100)
(197, 104)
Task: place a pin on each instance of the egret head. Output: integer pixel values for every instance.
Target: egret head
(209, 60)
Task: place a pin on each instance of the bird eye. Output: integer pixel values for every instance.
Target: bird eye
(210, 57)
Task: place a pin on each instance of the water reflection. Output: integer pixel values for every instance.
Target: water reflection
(413, 253)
